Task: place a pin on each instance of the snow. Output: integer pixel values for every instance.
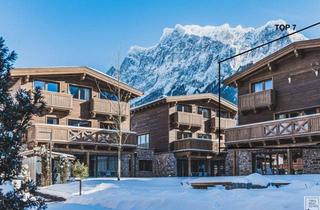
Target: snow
(184, 61)
(6, 187)
(175, 193)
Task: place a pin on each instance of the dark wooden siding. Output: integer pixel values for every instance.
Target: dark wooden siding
(155, 121)
(302, 92)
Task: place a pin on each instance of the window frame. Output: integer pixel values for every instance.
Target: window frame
(263, 81)
(143, 166)
(79, 87)
(147, 143)
(46, 85)
(50, 117)
(183, 108)
(90, 123)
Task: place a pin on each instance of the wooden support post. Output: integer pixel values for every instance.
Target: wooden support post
(209, 166)
(234, 166)
(189, 166)
(88, 159)
(289, 161)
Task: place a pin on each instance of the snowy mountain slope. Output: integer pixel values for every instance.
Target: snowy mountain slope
(185, 59)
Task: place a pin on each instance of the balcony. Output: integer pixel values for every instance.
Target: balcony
(253, 101)
(298, 130)
(187, 120)
(108, 107)
(213, 124)
(71, 134)
(58, 101)
(195, 145)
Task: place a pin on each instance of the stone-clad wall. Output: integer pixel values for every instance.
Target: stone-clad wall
(229, 163)
(125, 171)
(164, 164)
(243, 162)
(311, 161)
(143, 154)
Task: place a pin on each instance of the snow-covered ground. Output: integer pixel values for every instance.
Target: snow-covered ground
(176, 193)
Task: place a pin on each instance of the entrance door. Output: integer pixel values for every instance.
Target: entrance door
(182, 167)
(217, 167)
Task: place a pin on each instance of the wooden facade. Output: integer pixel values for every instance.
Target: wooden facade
(176, 124)
(285, 113)
(82, 122)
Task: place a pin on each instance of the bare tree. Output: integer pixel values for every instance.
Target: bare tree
(121, 110)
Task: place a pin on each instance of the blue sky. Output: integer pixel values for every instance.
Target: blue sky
(93, 33)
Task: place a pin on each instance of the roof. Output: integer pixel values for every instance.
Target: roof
(293, 47)
(181, 98)
(81, 70)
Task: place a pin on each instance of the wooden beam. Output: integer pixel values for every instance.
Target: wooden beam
(83, 77)
(270, 67)
(297, 53)
(26, 79)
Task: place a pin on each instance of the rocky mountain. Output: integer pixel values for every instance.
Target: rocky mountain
(185, 59)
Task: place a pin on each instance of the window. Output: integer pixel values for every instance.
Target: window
(205, 112)
(296, 113)
(80, 92)
(261, 86)
(184, 108)
(110, 126)
(145, 165)
(143, 140)
(184, 135)
(52, 120)
(224, 114)
(108, 95)
(204, 136)
(48, 86)
(79, 123)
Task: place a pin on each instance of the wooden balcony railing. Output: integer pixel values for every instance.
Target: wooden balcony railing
(108, 107)
(58, 101)
(277, 129)
(257, 100)
(194, 144)
(213, 124)
(72, 134)
(191, 120)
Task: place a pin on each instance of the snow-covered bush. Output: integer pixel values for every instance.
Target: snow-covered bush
(80, 170)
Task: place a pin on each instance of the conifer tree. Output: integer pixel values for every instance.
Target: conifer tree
(16, 110)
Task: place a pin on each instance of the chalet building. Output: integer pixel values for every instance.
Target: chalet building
(82, 117)
(180, 134)
(279, 113)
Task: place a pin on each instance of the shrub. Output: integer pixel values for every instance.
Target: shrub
(79, 170)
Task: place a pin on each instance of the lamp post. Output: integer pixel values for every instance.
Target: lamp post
(241, 53)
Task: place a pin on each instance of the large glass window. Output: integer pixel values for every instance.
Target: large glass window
(79, 123)
(143, 140)
(205, 112)
(184, 108)
(145, 165)
(53, 120)
(184, 135)
(296, 113)
(80, 92)
(45, 85)
(204, 136)
(108, 95)
(261, 86)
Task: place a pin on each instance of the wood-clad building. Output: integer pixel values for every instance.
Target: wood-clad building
(82, 107)
(279, 113)
(183, 132)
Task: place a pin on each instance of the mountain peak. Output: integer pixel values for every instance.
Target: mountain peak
(185, 59)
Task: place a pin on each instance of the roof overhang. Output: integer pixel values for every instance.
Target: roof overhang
(81, 70)
(265, 62)
(181, 98)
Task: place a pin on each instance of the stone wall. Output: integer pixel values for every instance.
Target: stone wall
(243, 162)
(311, 161)
(244, 159)
(164, 164)
(143, 154)
(125, 170)
(229, 163)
